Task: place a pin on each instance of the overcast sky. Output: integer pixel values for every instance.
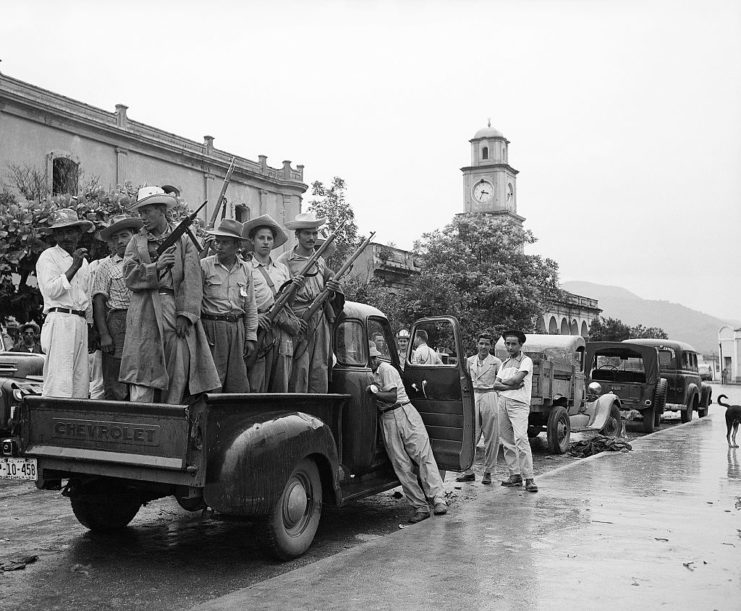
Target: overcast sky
(624, 117)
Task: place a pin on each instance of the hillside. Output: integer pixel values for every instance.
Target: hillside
(680, 323)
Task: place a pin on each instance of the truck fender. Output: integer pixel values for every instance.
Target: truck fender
(693, 392)
(251, 456)
(602, 408)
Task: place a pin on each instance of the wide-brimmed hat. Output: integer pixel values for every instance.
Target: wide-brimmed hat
(150, 196)
(119, 222)
(33, 326)
(228, 228)
(66, 217)
(305, 220)
(266, 220)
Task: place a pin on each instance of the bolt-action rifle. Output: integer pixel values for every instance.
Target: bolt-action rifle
(285, 296)
(221, 202)
(183, 228)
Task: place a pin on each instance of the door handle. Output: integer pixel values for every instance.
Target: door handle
(424, 388)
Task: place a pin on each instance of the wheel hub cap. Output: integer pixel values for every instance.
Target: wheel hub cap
(296, 503)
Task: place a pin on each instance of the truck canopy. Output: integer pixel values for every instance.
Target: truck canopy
(624, 351)
(563, 348)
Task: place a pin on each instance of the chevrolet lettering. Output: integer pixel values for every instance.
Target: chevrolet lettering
(92, 430)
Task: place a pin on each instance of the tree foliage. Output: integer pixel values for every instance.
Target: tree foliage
(330, 202)
(615, 330)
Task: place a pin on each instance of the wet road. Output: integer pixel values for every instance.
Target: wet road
(170, 558)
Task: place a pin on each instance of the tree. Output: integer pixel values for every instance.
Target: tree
(329, 201)
(615, 330)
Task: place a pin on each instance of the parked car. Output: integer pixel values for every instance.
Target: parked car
(20, 375)
(706, 372)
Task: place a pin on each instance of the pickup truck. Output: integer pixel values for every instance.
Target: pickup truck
(275, 457)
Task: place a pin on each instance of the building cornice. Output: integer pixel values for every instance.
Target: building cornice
(489, 166)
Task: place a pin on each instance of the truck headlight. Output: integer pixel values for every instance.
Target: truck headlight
(18, 394)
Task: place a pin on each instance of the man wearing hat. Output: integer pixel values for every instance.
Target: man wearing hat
(406, 440)
(111, 300)
(229, 313)
(64, 280)
(166, 350)
(28, 339)
(312, 353)
(514, 382)
(402, 342)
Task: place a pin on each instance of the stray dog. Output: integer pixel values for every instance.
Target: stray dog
(733, 419)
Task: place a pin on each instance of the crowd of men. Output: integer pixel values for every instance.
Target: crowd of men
(173, 323)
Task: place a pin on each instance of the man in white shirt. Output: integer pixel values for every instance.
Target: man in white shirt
(423, 354)
(64, 281)
(515, 385)
(483, 368)
(406, 440)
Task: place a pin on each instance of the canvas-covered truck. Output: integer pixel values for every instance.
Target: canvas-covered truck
(275, 457)
(561, 403)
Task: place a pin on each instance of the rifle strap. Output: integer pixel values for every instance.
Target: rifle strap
(267, 279)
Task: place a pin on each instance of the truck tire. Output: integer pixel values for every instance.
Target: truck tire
(614, 425)
(659, 401)
(104, 508)
(686, 414)
(290, 528)
(559, 430)
(705, 402)
(649, 419)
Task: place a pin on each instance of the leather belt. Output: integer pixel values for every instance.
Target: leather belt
(80, 313)
(165, 291)
(396, 405)
(226, 317)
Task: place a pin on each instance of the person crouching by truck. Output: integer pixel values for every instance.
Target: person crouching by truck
(229, 312)
(111, 299)
(166, 351)
(406, 440)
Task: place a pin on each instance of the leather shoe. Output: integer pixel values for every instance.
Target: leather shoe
(466, 477)
(440, 509)
(418, 516)
(514, 480)
(530, 485)
(487, 478)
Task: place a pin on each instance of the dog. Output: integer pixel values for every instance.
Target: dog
(733, 419)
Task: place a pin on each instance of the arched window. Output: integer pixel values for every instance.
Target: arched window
(553, 326)
(564, 327)
(65, 175)
(584, 329)
(485, 152)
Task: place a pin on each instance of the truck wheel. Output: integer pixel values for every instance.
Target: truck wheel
(659, 401)
(705, 403)
(290, 528)
(559, 430)
(649, 419)
(614, 426)
(686, 414)
(104, 508)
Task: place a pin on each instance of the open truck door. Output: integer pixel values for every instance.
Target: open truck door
(439, 387)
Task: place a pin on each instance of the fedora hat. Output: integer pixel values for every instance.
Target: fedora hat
(119, 222)
(32, 325)
(228, 228)
(266, 220)
(66, 217)
(306, 220)
(149, 196)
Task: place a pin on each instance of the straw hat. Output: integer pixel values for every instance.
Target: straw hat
(306, 220)
(32, 325)
(266, 220)
(149, 196)
(228, 228)
(66, 217)
(119, 222)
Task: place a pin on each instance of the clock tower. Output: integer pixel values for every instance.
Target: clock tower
(490, 183)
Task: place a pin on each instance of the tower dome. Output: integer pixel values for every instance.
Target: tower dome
(488, 132)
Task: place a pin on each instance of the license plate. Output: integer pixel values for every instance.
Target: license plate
(18, 468)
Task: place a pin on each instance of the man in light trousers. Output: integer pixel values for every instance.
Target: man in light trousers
(515, 383)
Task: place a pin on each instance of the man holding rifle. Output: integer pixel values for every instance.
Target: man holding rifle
(312, 354)
(271, 371)
(166, 351)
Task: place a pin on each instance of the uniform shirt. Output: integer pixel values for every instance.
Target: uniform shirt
(315, 279)
(278, 274)
(483, 374)
(109, 281)
(229, 291)
(57, 291)
(509, 368)
(424, 355)
(386, 377)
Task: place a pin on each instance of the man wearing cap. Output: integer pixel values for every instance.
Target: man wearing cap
(406, 440)
(312, 353)
(515, 385)
(229, 313)
(28, 339)
(111, 299)
(166, 350)
(402, 342)
(272, 369)
(64, 280)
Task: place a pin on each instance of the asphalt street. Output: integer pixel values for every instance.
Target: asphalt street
(171, 559)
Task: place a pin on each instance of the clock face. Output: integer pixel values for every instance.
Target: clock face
(483, 191)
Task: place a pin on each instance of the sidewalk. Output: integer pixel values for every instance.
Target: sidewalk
(658, 526)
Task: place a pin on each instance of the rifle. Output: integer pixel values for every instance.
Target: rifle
(222, 199)
(182, 229)
(287, 293)
(322, 297)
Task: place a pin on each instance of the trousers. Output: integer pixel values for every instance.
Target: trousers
(408, 447)
(311, 357)
(66, 368)
(272, 370)
(487, 423)
(113, 389)
(226, 340)
(513, 423)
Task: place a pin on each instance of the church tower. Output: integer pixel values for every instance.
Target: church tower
(490, 183)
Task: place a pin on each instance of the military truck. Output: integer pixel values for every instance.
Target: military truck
(275, 457)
